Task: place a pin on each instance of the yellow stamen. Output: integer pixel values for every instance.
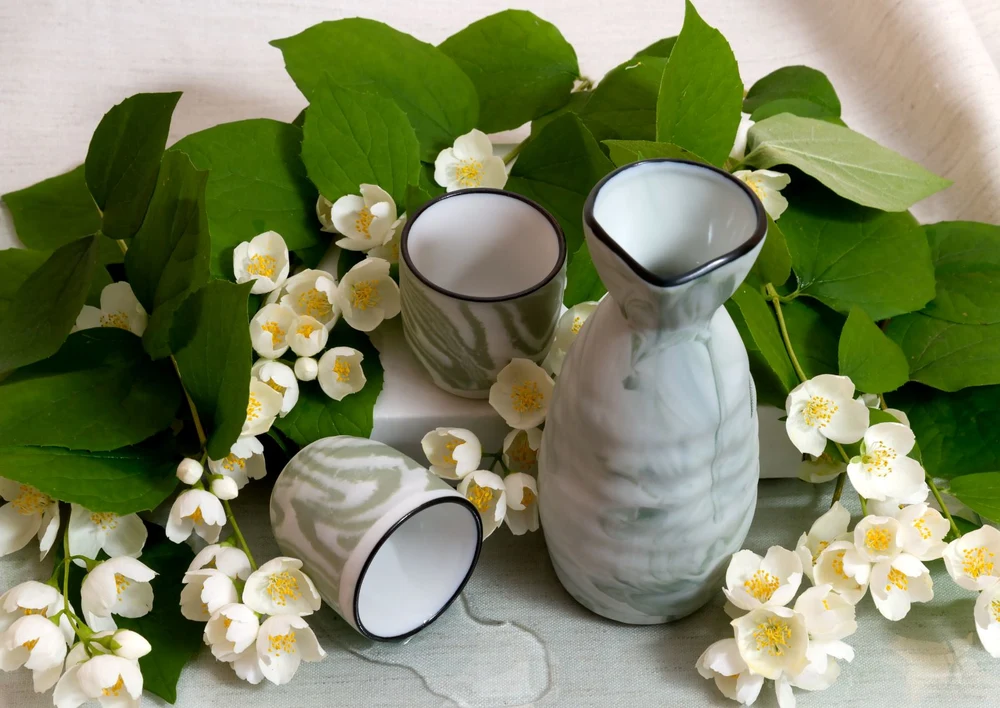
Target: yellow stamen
(761, 586)
(276, 386)
(528, 497)
(119, 320)
(878, 460)
(278, 643)
(106, 520)
(820, 547)
(315, 303)
(262, 265)
(525, 397)
(921, 526)
(995, 609)
(196, 516)
(30, 501)
(277, 333)
(342, 368)
(977, 561)
(826, 604)
(116, 689)
(878, 539)
(469, 173)
(283, 587)
(30, 644)
(577, 324)
(364, 221)
(254, 407)
(449, 458)
(121, 582)
(819, 411)
(306, 329)
(897, 579)
(521, 454)
(773, 635)
(226, 622)
(481, 497)
(364, 294)
(838, 565)
(231, 462)
(43, 611)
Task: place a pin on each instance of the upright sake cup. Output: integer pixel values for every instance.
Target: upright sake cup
(481, 279)
(388, 544)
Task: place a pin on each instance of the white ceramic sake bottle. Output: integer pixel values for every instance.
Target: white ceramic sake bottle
(649, 460)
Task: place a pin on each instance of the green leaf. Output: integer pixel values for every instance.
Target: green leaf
(583, 284)
(256, 183)
(211, 344)
(873, 361)
(175, 640)
(521, 66)
(774, 264)
(659, 48)
(124, 157)
(853, 166)
(814, 331)
(624, 152)
(800, 90)
(16, 264)
(959, 433)
(98, 392)
(436, 95)
(946, 355)
(698, 106)
(763, 327)
(318, 416)
(980, 492)
(847, 255)
(575, 104)
(770, 390)
(966, 259)
(54, 212)
(43, 310)
(416, 197)
(121, 481)
(356, 138)
(623, 105)
(558, 169)
(168, 257)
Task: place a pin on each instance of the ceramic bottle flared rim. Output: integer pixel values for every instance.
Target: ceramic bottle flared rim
(760, 228)
(404, 251)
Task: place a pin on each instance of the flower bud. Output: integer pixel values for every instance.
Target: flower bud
(306, 368)
(189, 471)
(130, 644)
(225, 488)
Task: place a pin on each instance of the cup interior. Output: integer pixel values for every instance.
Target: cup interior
(673, 217)
(418, 569)
(481, 243)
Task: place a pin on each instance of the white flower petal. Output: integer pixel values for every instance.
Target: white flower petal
(488, 494)
(340, 372)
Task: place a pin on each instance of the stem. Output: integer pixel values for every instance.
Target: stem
(231, 518)
(944, 507)
(122, 245)
(776, 302)
(864, 505)
(586, 83)
(881, 402)
(194, 411)
(509, 157)
(839, 489)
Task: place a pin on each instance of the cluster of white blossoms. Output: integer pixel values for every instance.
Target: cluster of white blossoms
(766, 184)
(38, 625)
(253, 618)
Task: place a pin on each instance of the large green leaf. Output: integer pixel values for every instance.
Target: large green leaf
(800, 90)
(966, 259)
(946, 355)
(317, 416)
(256, 183)
(846, 255)
(763, 327)
(558, 169)
(575, 104)
(853, 166)
(698, 106)
(659, 48)
(814, 331)
(624, 152)
(43, 310)
(54, 212)
(521, 65)
(353, 138)
(774, 263)
(174, 639)
(436, 95)
(100, 391)
(980, 492)
(17, 264)
(959, 432)
(211, 344)
(168, 258)
(124, 157)
(121, 481)
(623, 106)
(583, 284)
(872, 361)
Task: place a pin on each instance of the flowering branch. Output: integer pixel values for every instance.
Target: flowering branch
(776, 302)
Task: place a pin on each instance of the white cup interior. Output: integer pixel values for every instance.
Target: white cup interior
(480, 244)
(417, 570)
(673, 217)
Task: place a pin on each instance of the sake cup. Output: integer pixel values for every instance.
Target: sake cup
(481, 279)
(388, 544)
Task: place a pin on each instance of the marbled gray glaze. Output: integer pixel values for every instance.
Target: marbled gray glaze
(649, 459)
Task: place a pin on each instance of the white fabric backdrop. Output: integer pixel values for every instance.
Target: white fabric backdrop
(920, 76)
